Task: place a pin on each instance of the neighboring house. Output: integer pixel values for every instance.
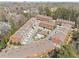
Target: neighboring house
(26, 31)
(46, 25)
(43, 18)
(59, 34)
(34, 29)
(35, 49)
(61, 21)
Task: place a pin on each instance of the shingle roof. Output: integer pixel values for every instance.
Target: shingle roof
(56, 40)
(34, 49)
(23, 31)
(65, 21)
(43, 18)
(60, 34)
(27, 27)
(41, 46)
(46, 25)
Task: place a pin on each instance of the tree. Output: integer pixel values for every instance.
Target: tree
(62, 13)
(44, 10)
(27, 15)
(13, 28)
(48, 12)
(41, 10)
(75, 35)
(67, 14)
(74, 16)
(66, 51)
(2, 15)
(4, 41)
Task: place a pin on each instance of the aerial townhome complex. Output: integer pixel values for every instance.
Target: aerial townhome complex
(38, 36)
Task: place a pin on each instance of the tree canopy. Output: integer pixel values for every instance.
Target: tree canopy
(61, 13)
(66, 51)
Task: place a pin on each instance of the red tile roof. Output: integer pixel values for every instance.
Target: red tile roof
(41, 46)
(19, 35)
(60, 34)
(43, 18)
(56, 40)
(34, 49)
(46, 25)
(65, 22)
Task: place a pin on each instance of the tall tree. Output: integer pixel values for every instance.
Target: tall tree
(66, 51)
(61, 13)
(48, 12)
